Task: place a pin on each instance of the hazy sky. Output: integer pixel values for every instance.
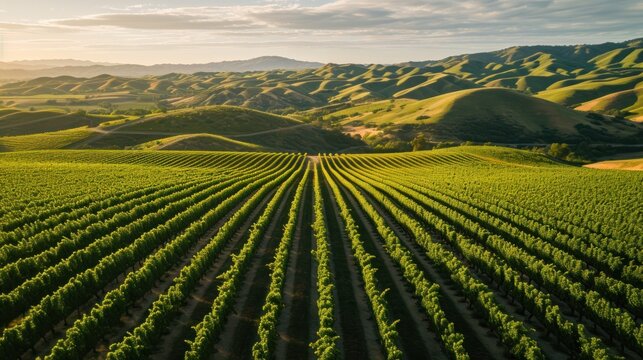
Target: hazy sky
(364, 31)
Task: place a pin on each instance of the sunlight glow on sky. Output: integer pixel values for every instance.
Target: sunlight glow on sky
(361, 31)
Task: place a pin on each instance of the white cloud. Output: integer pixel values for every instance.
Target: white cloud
(485, 17)
(155, 21)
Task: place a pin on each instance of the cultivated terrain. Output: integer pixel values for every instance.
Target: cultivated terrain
(228, 255)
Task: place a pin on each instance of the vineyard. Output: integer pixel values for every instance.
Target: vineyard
(460, 253)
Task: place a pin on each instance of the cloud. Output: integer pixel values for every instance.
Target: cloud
(465, 16)
(417, 26)
(483, 18)
(155, 21)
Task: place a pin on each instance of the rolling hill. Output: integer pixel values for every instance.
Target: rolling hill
(587, 90)
(522, 94)
(15, 122)
(569, 75)
(206, 142)
(627, 102)
(206, 128)
(487, 114)
(224, 120)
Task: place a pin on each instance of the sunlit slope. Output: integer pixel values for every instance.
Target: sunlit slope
(627, 164)
(16, 122)
(579, 92)
(233, 128)
(628, 102)
(224, 120)
(201, 142)
(568, 75)
(49, 140)
(487, 114)
(467, 155)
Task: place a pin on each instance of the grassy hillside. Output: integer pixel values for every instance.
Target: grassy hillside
(200, 141)
(487, 114)
(15, 122)
(206, 128)
(224, 120)
(50, 140)
(569, 75)
(628, 103)
(481, 97)
(590, 89)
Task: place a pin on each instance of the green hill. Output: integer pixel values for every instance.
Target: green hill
(590, 89)
(482, 97)
(204, 128)
(627, 102)
(568, 75)
(15, 122)
(486, 114)
(44, 141)
(200, 141)
(216, 128)
(224, 120)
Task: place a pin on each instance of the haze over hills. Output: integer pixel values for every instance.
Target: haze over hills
(47, 64)
(78, 68)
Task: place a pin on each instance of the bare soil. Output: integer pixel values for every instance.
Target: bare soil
(173, 345)
(240, 329)
(416, 340)
(357, 328)
(298, 318)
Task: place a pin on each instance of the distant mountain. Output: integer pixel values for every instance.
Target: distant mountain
(76, 68)
(48, 64)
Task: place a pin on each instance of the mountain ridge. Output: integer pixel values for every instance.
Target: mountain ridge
(92, 69)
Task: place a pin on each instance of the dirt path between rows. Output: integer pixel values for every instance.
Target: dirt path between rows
(298, 318)
(138, 311)
(45, 344)
(357, 329)
(173, 345)
(416, 340)
(479, 341)
(239, 331)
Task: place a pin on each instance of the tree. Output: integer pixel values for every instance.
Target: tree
(419, 142)
(559, 151)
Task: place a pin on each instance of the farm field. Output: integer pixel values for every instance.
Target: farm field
(471, 252)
